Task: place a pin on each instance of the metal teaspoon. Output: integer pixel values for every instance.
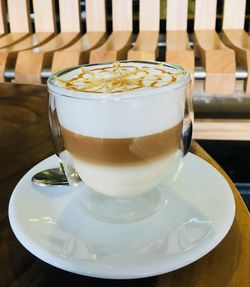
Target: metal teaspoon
(48, 177)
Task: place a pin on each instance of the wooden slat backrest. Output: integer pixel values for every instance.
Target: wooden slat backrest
(95, 15)
(177, 12)
(3, 23)
(205, 14)
(19, 16)
(44, 13)
(235, 36)
(70, 15)
(122, 15)
(218, 60)
(149, 15)
(234, 14)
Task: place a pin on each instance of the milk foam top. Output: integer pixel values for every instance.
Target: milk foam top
(121, 99)
(127, 77)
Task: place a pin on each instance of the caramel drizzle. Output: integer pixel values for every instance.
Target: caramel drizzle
(119, 79)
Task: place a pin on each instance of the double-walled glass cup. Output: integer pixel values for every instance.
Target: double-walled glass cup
(126, 146)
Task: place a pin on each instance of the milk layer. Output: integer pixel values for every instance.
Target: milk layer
(128, 180)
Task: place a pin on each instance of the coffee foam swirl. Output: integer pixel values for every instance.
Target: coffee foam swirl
(118, 78)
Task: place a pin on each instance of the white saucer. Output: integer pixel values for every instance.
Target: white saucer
(52, 225)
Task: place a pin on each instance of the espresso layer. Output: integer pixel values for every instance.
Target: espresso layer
(122, 151)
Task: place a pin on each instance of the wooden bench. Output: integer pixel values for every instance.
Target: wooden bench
(218, 62)
(44, 23)
(30, 63)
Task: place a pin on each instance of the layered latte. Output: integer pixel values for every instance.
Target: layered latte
(121, 124)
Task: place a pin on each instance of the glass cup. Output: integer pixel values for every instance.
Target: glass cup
(122, 149)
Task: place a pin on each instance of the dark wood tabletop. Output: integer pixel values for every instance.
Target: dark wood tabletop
(24, 141)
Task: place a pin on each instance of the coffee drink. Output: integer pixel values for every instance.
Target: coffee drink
(121, 123)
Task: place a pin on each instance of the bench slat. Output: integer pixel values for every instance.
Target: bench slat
(117, 45)
(234, 36)
(145, 47)
(218, 60)
(44, 12)
(177, 11)
(178, 49)
(19, 16)
(122, 15)
(3, 22)
(234, 14)
(149, 15)
(70, 16)
(44, 27)
(96, 34)
(222, 129)
(147, 40)
(19, 20)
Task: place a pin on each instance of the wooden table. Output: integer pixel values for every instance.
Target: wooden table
(24, 141)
